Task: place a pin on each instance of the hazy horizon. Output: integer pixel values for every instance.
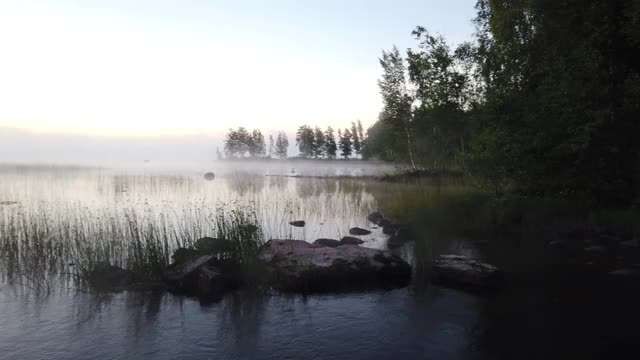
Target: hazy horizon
(108, 79)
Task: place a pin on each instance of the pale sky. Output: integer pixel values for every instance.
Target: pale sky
(161, 67)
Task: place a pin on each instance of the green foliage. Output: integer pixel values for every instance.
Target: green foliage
(544, 102)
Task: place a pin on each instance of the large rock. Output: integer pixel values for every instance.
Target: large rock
(462, 271)
(196, 277)
(349, 240)
(359, 231)
(104, 276)
(299, 266)
(328, 242)
(375, 218)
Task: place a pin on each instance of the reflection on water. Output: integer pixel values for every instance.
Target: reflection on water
(353, 326)
(544, 312)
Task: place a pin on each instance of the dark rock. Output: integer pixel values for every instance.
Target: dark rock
(627, 273)
(359, 231)
(297, 223)
(556, 244)
(299, 266)
(182, 255)
(390, 229)
(209, 176)
(209, 245)
(594, 249)
(328, 242)
(630, 243)
(348, 240)
(384, 222)
(9, 202)
(395, 242)
(375, 218)
(196, 277)
(461, 271)
(404, 232)
(104, 276)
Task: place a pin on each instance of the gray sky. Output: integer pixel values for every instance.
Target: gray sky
(192, 69)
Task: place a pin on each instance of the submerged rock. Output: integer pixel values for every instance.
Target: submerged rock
(299, 266)
(462, 271)
(375, 218)
(328, 242)
(209, 176)
(297, 223)
(9, 202)
(104, 276)
(594, 249)
(359, 231)
(630, 243)
(349, 240)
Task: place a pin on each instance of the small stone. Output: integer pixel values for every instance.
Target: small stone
(349, 240)
(359, 231)
(297, 223)
(209, 176)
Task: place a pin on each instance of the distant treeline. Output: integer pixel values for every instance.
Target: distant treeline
(312, 142)
(544, 101)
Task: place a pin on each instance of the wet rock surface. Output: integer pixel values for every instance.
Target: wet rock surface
(462, 271)
(359, 231)
(296, 265)
(349, 240)
(328, 242)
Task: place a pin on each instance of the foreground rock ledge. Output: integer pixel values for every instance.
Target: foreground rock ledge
(297, 265)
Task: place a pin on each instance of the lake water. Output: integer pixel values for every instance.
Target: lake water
(545, 311)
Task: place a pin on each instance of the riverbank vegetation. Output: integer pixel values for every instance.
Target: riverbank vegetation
(39, 248)
(542, 103)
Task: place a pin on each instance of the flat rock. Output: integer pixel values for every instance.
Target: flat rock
(349, 240)
(297, 223)
(328, 242)
(359, 231)
(462, 271)
(299, 266)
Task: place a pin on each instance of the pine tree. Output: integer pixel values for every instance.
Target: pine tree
(345, 144)
(318, 143)
(330, 147)
(355, 139)
(271, 146)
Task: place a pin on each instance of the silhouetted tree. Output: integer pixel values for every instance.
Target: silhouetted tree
(305, 140)
(346, 143)
(330, 147)
(282, 145)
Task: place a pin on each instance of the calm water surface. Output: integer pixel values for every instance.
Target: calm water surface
(544, 312)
